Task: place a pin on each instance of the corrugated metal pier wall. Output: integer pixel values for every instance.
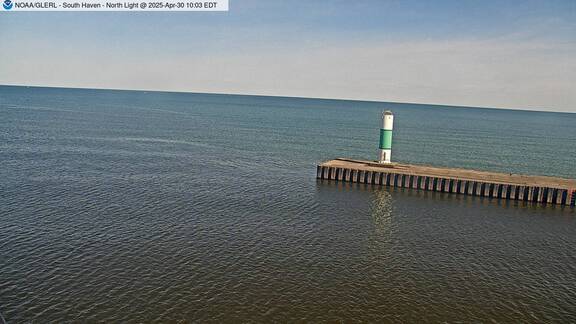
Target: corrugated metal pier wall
(544, 195)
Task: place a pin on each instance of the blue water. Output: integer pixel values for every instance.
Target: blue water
(131, 206)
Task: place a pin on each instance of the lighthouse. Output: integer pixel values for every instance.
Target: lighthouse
(385, 148)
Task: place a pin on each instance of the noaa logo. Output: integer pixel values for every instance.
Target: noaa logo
(7, 4)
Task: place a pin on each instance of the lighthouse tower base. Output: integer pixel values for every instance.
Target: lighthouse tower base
(384, 156)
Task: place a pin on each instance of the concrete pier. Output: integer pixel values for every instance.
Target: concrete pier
(539, 189)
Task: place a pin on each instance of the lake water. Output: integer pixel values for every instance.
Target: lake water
(129, 206)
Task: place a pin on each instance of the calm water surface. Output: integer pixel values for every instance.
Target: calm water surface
(127, 206)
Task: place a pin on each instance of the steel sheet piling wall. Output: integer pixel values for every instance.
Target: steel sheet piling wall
(535, 194)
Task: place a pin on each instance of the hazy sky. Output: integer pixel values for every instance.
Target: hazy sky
(514, 54)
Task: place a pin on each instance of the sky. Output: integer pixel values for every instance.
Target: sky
(502, 54)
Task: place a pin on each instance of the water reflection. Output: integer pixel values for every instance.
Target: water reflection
(381, 213)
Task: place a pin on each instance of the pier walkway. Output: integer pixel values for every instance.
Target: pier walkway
(542, 189)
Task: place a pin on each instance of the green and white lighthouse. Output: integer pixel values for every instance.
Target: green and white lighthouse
(385, 149)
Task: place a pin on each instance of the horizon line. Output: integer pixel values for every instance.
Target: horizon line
(294, 97)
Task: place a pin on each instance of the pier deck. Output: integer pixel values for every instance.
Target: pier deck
(540, 189)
